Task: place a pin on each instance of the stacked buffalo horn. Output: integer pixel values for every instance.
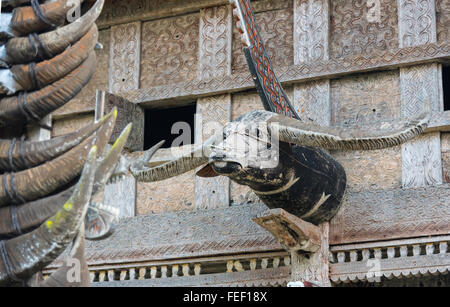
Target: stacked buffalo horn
(46, 186)
(46, 60)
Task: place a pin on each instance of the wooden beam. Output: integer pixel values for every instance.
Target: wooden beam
(293, 233)
(390, 59)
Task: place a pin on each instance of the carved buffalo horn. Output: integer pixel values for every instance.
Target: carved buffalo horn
(39, 18)
(370, 137)
(36, 105)
(21, 50)
(44, 179)
(25, 255)
(36, 76)
(18, 155)
(197, 157)
(26, 217)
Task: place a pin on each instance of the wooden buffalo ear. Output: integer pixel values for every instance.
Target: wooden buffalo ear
(207, 172)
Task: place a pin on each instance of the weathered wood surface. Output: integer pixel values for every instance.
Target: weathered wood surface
(445, 143)
(127, 112)
(416, 258)
(215, 112)
(421, 158)
(392, 214)
(314, 267)
(388, 59)
(260, 278)
(292, 232)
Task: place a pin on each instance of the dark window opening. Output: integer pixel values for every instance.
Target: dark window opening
(446, 86)
(159, 124)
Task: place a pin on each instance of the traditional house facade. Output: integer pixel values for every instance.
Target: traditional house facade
(342, 63)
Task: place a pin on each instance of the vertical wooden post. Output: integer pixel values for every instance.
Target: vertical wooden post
(124, 75)
(421, 158)
(311, 43)
(214, 61)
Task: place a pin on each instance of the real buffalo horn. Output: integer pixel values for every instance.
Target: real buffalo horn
(21, 219)
(198, 156)
(80, 278)
(16, 155)
(22, 50)
(27, 254)
(47, 178)
(39, 18)
(36, 105)
(35, 76)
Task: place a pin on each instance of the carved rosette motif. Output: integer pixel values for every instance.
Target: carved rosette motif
(215, 42)
(125, 57)
(311, 26)
(170, 50)
(417, 22)
(362, 27)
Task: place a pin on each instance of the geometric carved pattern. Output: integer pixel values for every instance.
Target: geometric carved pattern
(215, 42)
(276, 28)
(169, 50)
(294, 73)
(311, 23)
(417, 22)
(422, 159)
(362, 27)
(125, 57)
(392, 214)
(212, 193)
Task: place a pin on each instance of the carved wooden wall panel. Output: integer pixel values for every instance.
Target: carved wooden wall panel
(125, 57)
(215, 42)
(172, 195)
(71, 124)
(392, 214)
(275, 21)
(124, 76)
(85, 100)
(372, 170)
(311, 30)
(312, 101)
(212, 193)
(422, 160)
(366, 98)
(417, 22)
(443, 20)
(445, 141)
(363, 26)
(360, 100)
(170, 50)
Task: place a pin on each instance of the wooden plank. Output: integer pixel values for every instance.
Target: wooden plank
(124, 74)
(125, 58)
(392, 214)
(213, 193)
(421, 158)
(237, 82)
(292, 232)
(416, 22)
(214, 61)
